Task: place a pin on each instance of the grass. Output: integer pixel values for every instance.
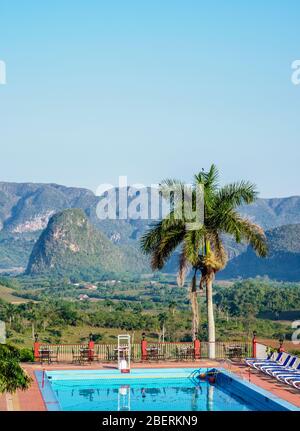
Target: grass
(8, 295)
(74, 335)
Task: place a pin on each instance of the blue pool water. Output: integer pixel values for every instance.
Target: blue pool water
(146, 390)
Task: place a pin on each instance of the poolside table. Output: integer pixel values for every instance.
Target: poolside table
(185, 353)
(235, 352)
(86, 355)
(153, 352)
(45, 355)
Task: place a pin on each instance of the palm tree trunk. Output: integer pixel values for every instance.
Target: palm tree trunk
(195, 308)
(210, 320)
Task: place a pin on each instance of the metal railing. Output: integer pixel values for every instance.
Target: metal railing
(169, 351)
(228, 349)
(65, 352)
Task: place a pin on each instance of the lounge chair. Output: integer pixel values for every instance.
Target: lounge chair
(289, 375)
(288, 361)
(256, 362)
(267, 368)
(289, 369)
(296, 384)
(292, 379)
(250, 361)
(283, 369)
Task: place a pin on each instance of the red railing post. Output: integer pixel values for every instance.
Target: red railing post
(281, 348)
(36, 349)
(197, 349)
(254, 346)
(91, 347)
(144, 344)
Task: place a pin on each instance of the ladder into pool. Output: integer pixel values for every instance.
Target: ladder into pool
(124, 353)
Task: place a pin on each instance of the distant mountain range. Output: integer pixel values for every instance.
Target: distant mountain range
(26, 208)
(282, 262)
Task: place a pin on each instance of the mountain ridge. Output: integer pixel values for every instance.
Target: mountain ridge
(26, 208)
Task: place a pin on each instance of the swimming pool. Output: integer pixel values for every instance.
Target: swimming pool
(171, 389)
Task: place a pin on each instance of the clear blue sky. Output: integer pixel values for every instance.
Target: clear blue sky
(150, 89)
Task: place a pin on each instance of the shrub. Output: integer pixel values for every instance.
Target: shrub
(26, 355)
(12, 376)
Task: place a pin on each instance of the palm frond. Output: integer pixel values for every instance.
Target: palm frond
(209, 179)
(151, 238)
(193, 245)
(162, 239)
(244, 230)
(236, 194)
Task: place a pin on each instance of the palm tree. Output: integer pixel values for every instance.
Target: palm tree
(12, 376)
(202, 248)
(10, 313)
(172, 307)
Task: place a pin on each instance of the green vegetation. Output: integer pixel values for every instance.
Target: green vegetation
(252, 298)
(136, 304)
(12, 376)
(15, 249)
(8, 295)
(202, 248)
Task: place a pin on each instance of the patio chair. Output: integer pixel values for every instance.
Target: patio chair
(54, 355)
(96, 355)
(178, 354)
(155, 353)
(76, 357)
(161, 354)
(44, 356)
(85, 356)
(111, 356)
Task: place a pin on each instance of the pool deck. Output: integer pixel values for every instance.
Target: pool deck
(31, 400)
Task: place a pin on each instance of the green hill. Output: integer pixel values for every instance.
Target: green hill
(70, 245)
(282, 262)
